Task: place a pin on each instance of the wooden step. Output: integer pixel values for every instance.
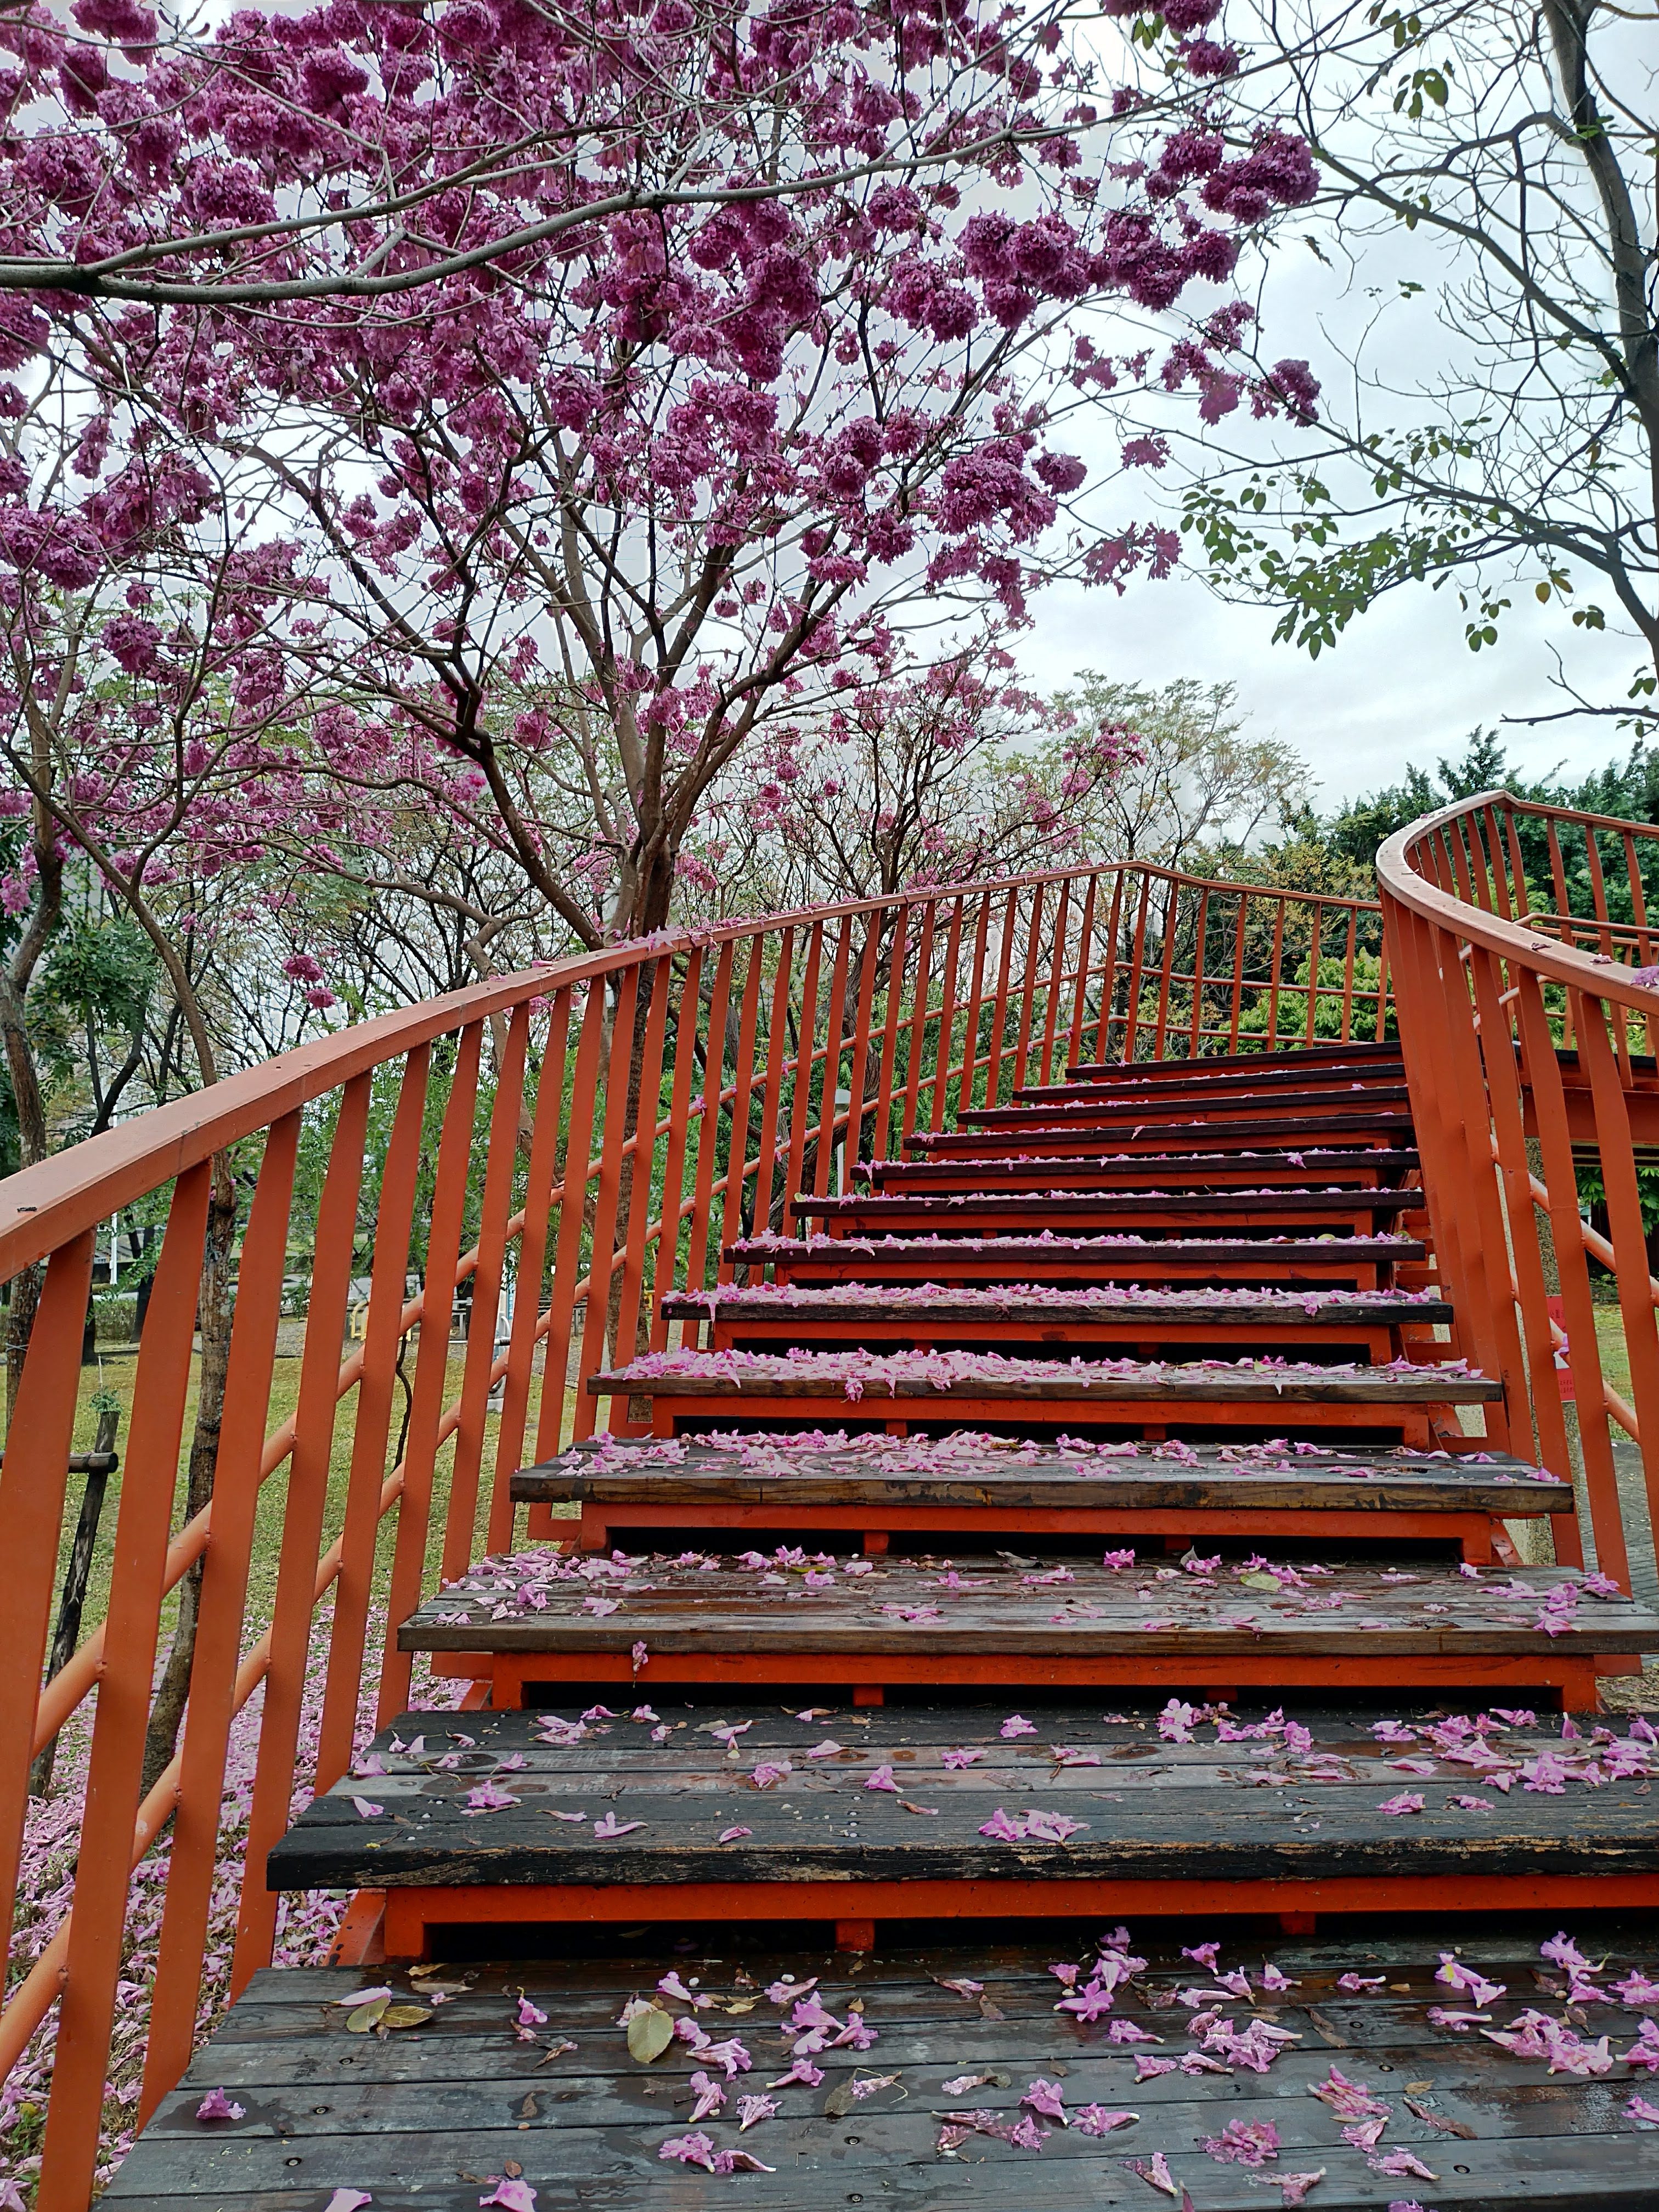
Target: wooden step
(980, 1388)
(878, 1486)
(1355, 1212)
(1191, 1105)
(1039, 1170)
(881, 1815)
(862, 1312)
(1193, 1078)
(968, 2028)
(1130, 1136)
(876, 1624)
(1019, 1315)
(1350, 1262)
(1311, 1060)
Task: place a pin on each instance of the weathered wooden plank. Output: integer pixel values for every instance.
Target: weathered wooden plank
(1103, 1258)
(544, 1604)
(1371, 1093)
(800, 1798)
(428, 2116)
(1157, 1170)
(742, 1374)
(1002, 1473)
(1127, 1132)
(1274, 1205)
(1017, 1302)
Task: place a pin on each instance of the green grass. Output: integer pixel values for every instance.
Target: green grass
(116, 1376)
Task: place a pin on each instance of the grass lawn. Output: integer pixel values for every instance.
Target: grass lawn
(115, 1375)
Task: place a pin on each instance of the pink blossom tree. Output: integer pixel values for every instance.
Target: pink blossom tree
(673, 430)
(934, 777)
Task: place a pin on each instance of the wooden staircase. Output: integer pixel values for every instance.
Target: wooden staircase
(1095, 1517)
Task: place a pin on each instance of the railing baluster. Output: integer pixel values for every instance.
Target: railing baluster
(572, 1208)
(382, 1341)
(236, 1476)
(743, 1083)
(1056, 979)
(431, 1375)
(1084, 956)
(713, 1083)
(601, 1250)
(679, 1122)
(1201, 925)
(1131, 1011)
(777, 1056)
(302, 1516)
(527, 1282)
(149, 1480)
(639, 1174)
(1312, 1030)
(947, 1021)
(898, 955)
(860, 1059)
(33, 1483)
(1628, 1237)
(1543, 1074)
(975, 1003)
(916, 1034)
(999, 1011)
(501, 1166)
(1521, 1221)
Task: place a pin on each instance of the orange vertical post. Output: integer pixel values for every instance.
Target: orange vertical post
(148, 1481)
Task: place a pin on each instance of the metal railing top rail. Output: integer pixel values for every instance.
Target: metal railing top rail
(1596, 972)
(41, 1207)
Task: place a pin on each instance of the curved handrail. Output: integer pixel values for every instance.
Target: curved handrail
(1531, 1100)
(1399, 878)
(42, 1206)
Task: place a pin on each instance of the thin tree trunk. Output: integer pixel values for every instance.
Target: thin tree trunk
(33, 1146)
(168, 1709)
(76, 1577)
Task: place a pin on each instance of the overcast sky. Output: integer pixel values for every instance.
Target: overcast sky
(1402, 684)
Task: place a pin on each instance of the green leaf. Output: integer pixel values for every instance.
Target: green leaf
(366, 2016)
(649, 2035)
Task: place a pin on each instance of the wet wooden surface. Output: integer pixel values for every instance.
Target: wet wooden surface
(896, 1470)
(796, 1786)
(428, 2117)
(544, 1603)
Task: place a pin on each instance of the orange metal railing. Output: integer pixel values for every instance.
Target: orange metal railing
(567, 1145)
(1518, 934)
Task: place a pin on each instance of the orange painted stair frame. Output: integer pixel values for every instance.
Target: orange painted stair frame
(1476, 1019)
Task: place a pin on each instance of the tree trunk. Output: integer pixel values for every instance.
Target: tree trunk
(33, 1146)
(77, 1576)
(168, 1709)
